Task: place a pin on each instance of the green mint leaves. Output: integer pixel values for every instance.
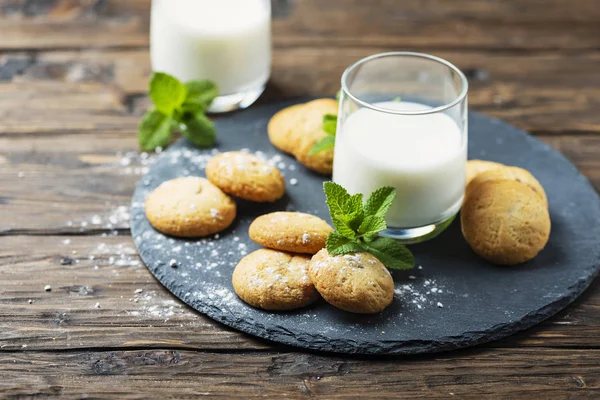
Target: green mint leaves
(358, 225)
(179, 107)
(328, 142)
(166, 92)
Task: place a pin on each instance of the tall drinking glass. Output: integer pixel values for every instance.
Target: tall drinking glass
(403, 123)
(226, 41)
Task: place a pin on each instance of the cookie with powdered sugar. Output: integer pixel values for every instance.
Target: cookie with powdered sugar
(356, 282)
(274, 280)
(189, 207)
(246, 176)
(290, 231)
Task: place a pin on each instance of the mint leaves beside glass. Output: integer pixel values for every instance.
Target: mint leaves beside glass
(177, 107)
(328, 142)
(358, 224)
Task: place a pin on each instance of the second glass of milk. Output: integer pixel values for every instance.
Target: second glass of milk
(403, 123)
(226, 41)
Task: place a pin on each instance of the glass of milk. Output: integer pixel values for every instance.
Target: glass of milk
(403, 123)
(226, 41)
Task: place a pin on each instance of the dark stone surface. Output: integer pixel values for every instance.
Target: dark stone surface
(478, 302)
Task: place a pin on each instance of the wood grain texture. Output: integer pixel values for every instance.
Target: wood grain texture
(102, 296)
(542, 93)
(505, 25)
(140, 374)
(73, 76)
(67, 317)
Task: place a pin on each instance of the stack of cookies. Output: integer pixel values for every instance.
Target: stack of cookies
(505, 216)
(284, 276)
(277, 278)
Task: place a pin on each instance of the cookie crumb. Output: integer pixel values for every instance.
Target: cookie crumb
(47, 288)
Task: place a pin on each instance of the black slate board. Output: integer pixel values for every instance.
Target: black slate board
(454, 300)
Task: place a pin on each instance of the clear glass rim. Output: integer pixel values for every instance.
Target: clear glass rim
(457, 100)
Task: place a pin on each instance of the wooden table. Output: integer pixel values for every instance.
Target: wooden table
(73, 77)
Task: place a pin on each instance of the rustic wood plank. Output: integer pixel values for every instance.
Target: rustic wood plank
(514, 373)
(65, 183)
(101, 296)
(105, 90)
(98, 307)
(434, 24)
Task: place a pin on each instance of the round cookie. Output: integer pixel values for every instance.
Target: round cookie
(356, 282)
(505, 222)
(274, 280)
(476, 167)
(189, 207)
(510, 173)
(290, 231)
(246, 176)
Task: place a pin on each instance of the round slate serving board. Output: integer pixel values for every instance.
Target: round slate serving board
(453, 299)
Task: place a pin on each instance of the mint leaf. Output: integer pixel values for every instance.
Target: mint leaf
(357, 226)
(155, 130)
(198, 129)
(166, 92)
(379, 201)
(336, 197)
(342, 226)
(330, 124)
(328, 142)
(391, 253)
(337, 244)
(371, 225)
(200, 94)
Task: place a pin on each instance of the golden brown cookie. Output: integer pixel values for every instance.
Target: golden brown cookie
(189, 207)
(356, 282)
(246, 176)
(274, 280)
(312, 132)
(510, 173)
(505, 222)
(282, 127)
(296, 129)
(290, 231)
(476, 167)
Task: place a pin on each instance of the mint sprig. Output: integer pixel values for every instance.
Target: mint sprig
(357, 226)
(328, 142)
(177, 107)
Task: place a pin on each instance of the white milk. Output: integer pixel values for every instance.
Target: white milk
(226, 41)
(422, 156)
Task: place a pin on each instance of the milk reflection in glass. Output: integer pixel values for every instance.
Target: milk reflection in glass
(403, 123)
(226, 41)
